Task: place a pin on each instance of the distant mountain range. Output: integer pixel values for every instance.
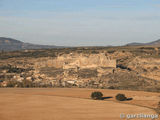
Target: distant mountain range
(9, 44)
(154, 43)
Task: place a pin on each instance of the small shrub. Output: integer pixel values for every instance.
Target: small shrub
(111, 51)
(121, 97)
(94, 52)
(96, 95)
(111, 87)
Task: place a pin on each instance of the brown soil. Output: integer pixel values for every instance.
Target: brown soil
(71, 104)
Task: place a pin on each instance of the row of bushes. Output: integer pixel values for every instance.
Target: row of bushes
(25, 84)
(99, 96)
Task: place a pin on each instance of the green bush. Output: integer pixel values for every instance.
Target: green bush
(121, 97)
(96, 95)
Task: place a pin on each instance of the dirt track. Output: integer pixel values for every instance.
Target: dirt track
(61, 104)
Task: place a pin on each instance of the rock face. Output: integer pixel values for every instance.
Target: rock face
(76, 68)
(74, 61)
(146, 67)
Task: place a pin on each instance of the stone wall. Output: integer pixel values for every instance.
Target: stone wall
(68, 61)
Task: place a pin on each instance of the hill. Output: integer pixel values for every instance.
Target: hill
(154, 43)
(9, 44)
(129, 68)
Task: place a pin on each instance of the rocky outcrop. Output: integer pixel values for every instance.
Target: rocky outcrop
(77, 69)
(146, 67)
(68, 61)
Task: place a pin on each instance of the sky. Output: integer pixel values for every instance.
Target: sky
(80, 22)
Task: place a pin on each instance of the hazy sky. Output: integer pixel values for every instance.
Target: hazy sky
(80, 22)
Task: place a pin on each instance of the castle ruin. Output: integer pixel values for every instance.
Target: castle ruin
(68, 61)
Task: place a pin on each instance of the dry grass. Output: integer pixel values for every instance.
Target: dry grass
(70, 104)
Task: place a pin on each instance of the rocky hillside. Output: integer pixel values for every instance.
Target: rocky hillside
(134, 68)
(9, 44)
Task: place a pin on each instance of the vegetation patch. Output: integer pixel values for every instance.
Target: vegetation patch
(121, 97)
(96, 95)
(51, 71)
(87, 73)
